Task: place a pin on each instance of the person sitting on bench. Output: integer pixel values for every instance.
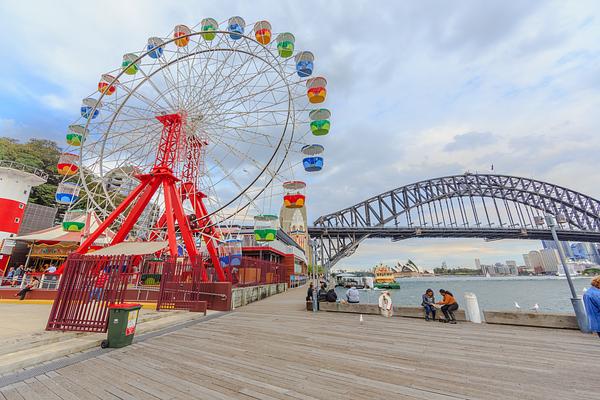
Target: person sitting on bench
(34, 284)
(449, 305)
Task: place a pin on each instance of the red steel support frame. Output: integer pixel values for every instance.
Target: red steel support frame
(162, 175)
(189, 191)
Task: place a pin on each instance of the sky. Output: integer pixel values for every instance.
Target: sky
(417, 89)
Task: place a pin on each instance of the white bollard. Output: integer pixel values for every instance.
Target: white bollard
(472, 308)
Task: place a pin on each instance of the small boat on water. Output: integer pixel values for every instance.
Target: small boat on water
(348, 280)
(387, 285)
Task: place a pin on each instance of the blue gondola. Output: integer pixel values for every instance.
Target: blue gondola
(235, 27)
(312, 164)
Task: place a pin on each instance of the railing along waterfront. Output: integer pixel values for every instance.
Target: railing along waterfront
(22, 167)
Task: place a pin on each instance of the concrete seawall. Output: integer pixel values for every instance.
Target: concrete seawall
(534, 319)
(246, 295)
(537, 319)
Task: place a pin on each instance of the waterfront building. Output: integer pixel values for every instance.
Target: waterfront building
(565, 246)
(410, 269)
(535, 261)
(550, 260)
(527, 262)
(512, 267)
(585, 251)
(594, 253)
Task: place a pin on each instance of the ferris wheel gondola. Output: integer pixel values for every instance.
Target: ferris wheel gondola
(314, 162)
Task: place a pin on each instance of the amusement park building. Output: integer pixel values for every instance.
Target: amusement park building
(16, 181)
(284, 250)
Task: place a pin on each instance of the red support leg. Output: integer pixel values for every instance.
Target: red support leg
(85, 246)
(160, 224)
(186, 232)
(134, 214)
(208, 232)
(162, 174)
(170, 220)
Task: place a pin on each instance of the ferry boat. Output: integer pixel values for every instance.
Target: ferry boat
(385, 278)
(360, 282)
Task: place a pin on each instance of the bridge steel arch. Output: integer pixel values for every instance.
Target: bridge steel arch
(470, 205)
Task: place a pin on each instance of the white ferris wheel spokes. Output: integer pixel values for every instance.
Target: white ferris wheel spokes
(244, 100)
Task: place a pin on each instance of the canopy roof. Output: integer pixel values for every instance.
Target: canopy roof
(131, 249)
(57, 234)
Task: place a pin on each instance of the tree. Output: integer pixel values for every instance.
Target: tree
(320, 269)
(38, 153)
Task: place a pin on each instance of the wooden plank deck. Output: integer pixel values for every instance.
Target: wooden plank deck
(273, 349)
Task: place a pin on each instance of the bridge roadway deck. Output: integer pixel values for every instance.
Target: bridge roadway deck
(273, 350)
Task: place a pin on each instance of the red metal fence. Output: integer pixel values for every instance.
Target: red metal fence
(91, 283)
(179, 284)
(88, 286)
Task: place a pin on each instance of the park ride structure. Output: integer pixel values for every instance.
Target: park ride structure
(193, 135)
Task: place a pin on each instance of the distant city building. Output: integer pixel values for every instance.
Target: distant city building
(527, 262)
(512, 267)
(566, 247)
(550, 260)
(535, 261)
(585, 251)
(122, 180)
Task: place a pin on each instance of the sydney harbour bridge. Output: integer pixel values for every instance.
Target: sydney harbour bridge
(486, 206)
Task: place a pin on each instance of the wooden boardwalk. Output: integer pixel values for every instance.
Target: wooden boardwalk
(273, 350)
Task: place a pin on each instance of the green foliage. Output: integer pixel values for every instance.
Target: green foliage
(456, 271)
(591, 271)
(320, 269)
(43, 194)
(38, 153)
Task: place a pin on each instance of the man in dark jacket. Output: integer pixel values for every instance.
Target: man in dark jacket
(322, 295)
(331, 296)
(309, 292)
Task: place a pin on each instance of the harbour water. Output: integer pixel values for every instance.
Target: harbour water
(551, 293)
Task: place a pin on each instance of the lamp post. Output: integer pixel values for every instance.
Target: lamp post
(577, 302)
(314, 277)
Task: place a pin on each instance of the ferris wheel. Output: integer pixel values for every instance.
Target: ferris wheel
(226, 110)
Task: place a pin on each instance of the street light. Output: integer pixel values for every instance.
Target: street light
(580, 314)
(313, 245)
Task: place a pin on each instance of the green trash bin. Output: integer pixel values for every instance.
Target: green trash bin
(122, 320)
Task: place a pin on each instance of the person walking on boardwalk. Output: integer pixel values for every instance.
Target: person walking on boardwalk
(385, 304)
(449, 305)
(591, 299)
(428, 303)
